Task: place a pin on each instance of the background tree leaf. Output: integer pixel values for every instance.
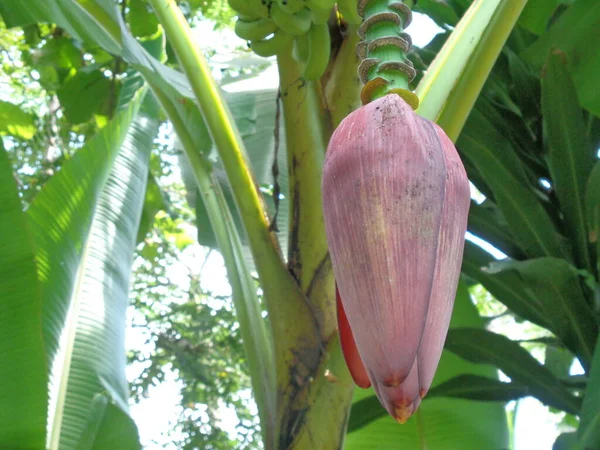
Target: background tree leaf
(15, 121)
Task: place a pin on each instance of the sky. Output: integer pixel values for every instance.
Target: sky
(535, 427)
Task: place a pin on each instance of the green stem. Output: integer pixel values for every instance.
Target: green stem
(456, 76)
(263, 243)
(342, 86)
(302, 112)
(257, 343)
(385, 68)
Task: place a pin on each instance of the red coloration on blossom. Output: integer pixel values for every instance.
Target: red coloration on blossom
(353, 361)
(396, 199)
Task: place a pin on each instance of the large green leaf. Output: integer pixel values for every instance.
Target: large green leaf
(94, 355)
(23, 372)
(61, 216)
(556, 286)
(484, 347)
(571, 34)
(439, 423)
(570, 153)
(494, 157)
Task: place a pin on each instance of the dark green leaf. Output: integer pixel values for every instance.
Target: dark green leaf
(526, 85)
(484, 347)
(141, 20)
(570, 153)
(82, 94)
(487, 222)
(571, 34)
(23, 372)
(566, 441)
(536, 14)
(440, 12)
(559, 361)
(474, 387)
(494, 157)
(557, 288)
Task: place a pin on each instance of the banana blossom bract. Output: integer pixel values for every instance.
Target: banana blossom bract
(396, 199)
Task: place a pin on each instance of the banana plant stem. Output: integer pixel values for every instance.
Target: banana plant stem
(458, 106)
(455, 78)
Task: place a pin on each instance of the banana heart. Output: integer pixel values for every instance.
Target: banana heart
(395, 201)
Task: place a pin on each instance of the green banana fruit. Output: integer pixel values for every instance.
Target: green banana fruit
(301, 48)
(320, 15)
(243, 8)
(272, 46)
(320, 4)
(319, 43)
(256, 29)
(349, 11)
(294, 24)
(290, 6)
(250, 8)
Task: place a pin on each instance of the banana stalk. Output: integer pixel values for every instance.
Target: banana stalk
(456, 76)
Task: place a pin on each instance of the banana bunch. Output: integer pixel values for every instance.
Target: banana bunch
(272, 26)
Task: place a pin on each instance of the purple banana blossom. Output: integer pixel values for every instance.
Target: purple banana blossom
(396, 199)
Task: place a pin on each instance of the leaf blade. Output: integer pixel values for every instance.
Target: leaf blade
(23, 373)
(570, 154)
(484, 347)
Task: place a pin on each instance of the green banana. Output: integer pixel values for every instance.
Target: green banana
(319, 43)
(243, 8)
(320, 4)
(301, 48)
(349, 11)
(256, 29)
(250, 8)
(294, 24)
(319, 15)
(272, 46)
(290, 6)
